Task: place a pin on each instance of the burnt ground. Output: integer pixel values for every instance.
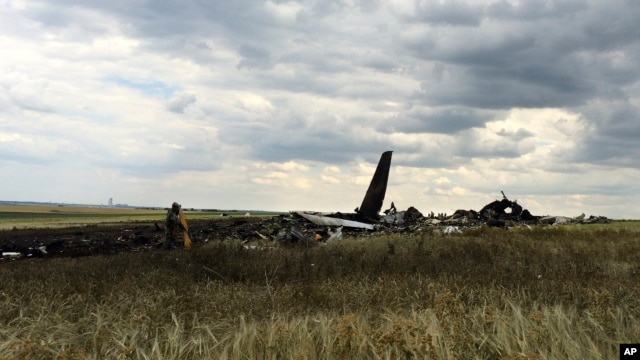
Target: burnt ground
(286, 229)
(108, 239)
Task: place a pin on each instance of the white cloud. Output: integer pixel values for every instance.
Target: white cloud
(334, 170)
(329, 179)
(286, 11)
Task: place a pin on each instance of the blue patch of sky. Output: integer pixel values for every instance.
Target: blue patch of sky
(151, 88)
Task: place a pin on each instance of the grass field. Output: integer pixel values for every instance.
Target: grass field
(545, 293)
(65, 216)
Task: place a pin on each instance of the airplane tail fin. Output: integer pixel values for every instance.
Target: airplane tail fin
(372, 202)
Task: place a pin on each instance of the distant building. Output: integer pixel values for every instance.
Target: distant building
(110, 202)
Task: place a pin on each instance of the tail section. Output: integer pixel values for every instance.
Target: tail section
(372, 202)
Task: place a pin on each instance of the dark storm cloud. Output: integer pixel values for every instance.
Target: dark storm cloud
(318, 59)
(477, 57)
(287, 135)
(551, 60)
(440, 121)
(254, 57)
(171, 22)
(613, 137)
(512, 73)
(537, 54)
(623, 122)
(434, 154)
(533, 10)
(293, 136)
(448, 13)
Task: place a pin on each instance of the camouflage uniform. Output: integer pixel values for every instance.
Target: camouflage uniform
(171, 224)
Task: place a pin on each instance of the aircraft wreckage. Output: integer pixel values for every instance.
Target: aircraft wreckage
(499, 213)
(367, 213)
(295, 228)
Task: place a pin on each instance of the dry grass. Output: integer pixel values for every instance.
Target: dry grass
(549, 293)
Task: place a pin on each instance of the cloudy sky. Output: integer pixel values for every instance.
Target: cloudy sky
(287, 105)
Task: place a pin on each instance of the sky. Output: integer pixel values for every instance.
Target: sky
(288, 105)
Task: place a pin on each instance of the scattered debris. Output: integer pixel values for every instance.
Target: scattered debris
(581, 219)
(451, 230)
(333, 221)
(298, 228)
(335, 235)
(255, 233)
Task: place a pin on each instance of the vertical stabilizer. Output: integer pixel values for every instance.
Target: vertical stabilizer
(372, 202)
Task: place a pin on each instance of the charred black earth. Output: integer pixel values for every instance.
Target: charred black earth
(282, 230)
(109, 239)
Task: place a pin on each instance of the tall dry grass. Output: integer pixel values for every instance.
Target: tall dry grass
(546, 293)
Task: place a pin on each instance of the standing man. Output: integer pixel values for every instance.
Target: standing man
(171, 223)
